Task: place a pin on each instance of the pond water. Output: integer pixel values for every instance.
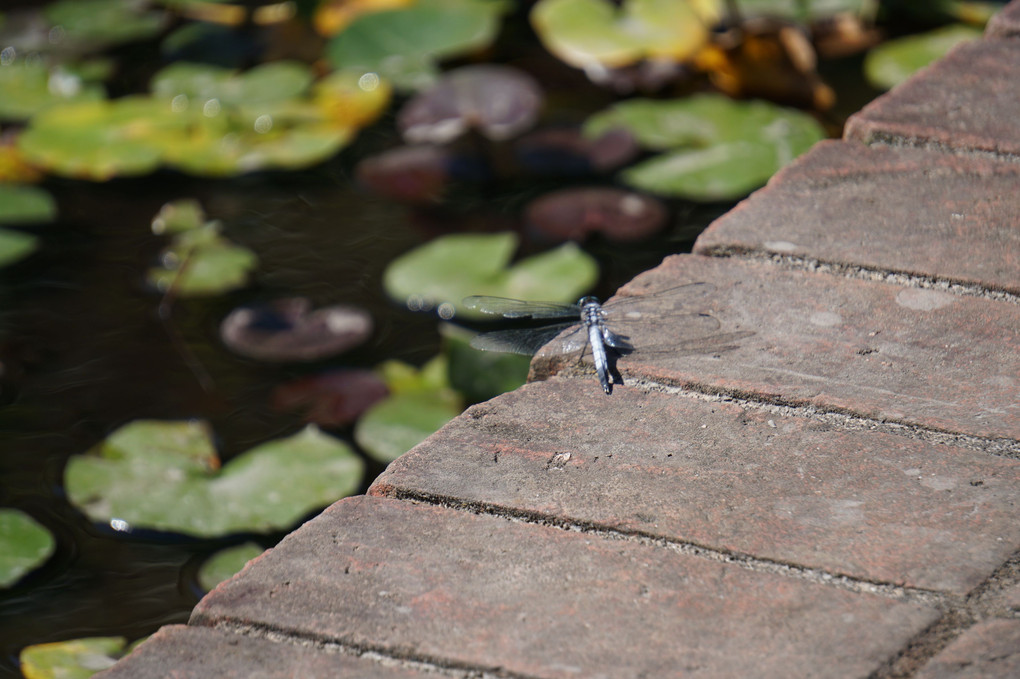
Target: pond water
(84, 349)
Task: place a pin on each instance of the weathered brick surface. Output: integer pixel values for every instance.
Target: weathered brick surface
(892, 209)
(966, 101)
(480, 591)
(879, 350)
(866, 504)
(989, 650)
(183, 652)
(1005, 24)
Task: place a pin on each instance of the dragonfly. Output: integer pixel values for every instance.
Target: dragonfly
(600, 326)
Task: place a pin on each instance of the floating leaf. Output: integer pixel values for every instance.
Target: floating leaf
(104, 22)
(29, 87)
(892, 62)
(420, 402)
(404, 45)
(498, 101)
(410, 174)
(225, 563)
(804, 12)
(272, 82)
(559, 151)
(165, 476)
(448, 269)
(333, 16)
(24, 545)
(177, 216)
(351, 98)
(25, 205)
(15, 245)
(290, 330)
(598, 34)
(572, 214)
(722, 149)
(202, 262)
(332, 399)
(74, 659)
(481, 375)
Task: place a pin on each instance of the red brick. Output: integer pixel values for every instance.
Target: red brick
(1006, 23)
(903, 210)
(483, 592)
(878, 350)
(989, 650)
(200, 652)
(966, 101)
(870, 505)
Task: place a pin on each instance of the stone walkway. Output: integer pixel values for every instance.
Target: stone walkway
(833, 491)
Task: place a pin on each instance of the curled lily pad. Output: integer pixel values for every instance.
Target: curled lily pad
(718, 149)
(404, 45)
(225, 563)
(410, 174)
(892, 62)
(166, 476)
(73, 659)
(290, 330)
(202, 262)
(24, 545)
(446, 270)
(572, 214)
(420, 402)
(333, 399)
(559, 151)
(597, 34)
(498, 101)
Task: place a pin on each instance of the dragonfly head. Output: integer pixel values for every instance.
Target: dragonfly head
(587, 301)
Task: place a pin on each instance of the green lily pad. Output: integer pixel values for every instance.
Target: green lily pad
(805, 12)
(481, 375)
(74, 659)
(448, 269)
(29, 87)
(15, 246)
(104, 22)
(225, 563)
(165, 476)
(272, 82)
(892, 62)
(176, 216)
(420, 402)
(202, 262)
(24, 545)
(405, 45)
(26, 204)
(595, 34)
(719, 149)
(99, 140)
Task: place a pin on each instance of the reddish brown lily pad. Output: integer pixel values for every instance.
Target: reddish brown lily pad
(498, 101)
(409, 174)
(566, 150)
(290, 330)
(573, 214)
(332, 399)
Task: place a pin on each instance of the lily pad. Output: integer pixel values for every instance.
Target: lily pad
(560, 151)
(104, 22)
(719, 149)
(225, 563)
(598, 34)
(74, 659)
(405, 45)
(333, 399)
(15, 246)
(272, 82)
(202, 262)
(166, 476)
(572, 214)
(26, 205)
(290, 330)
(31, 86)
(179, 215)
(351, 98)
(24, 545)
(481, 375)
(333, 16)
(892, 62)
(498, 101)
(420, 402)
(449, 268)
(409, 174)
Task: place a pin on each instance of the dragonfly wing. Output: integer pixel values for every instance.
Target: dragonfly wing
(686, 298)
(518, 308)
(518, 340)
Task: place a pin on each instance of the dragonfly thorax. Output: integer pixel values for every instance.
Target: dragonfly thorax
(591, 310)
